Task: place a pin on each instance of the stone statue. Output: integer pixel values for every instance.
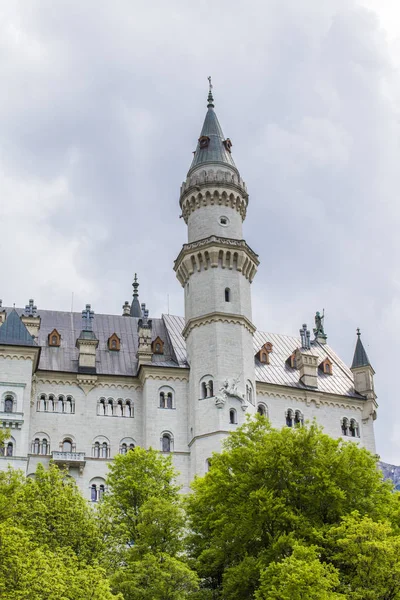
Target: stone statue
(229, 389)
(319, 325)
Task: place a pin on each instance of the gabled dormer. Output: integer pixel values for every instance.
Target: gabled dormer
(326, 366)
(157, 346)
(54, 339)
(114, 343)
(264, 352)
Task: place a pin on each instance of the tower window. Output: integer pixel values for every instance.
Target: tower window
(232, 416)
(227, 295)
(224, 221)
(8, 404)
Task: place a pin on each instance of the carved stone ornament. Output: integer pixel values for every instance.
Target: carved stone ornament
(229, 389)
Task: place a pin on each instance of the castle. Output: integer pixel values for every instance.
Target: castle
(79, 388)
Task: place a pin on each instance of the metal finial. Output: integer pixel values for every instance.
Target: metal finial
(358, 332)
(210, 98)
(135, 286)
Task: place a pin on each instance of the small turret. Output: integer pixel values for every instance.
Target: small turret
(364, 378)
(87, 343)
(31, 319)
(135, 306)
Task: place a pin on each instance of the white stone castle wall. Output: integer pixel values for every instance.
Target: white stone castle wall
(205, 221)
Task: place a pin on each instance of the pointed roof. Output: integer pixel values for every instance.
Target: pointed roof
(14, 333)
(216, 152)
(136, 311)
(360, 358)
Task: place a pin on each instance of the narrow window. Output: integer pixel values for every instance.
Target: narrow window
(123, 449)
(60, 404)
(345, 427)
(104, 450)
(9, 449)
(129, 409)
(50, 406)
(102, 407)
(289, 418)
(169, 400)
(227, 295)
(298, 418)
(131, 446)
(158, 348)
(44, 446)
(96, 450)
(93, 493)
(54, 340)
(232, 416)
(162, 400)
(208, 464)
(110, 408)
(8, 404)
(101, 491)
(211, 388)
(166, 443)
(203, 390)
(36, 446)
(120, 409)
(261, 410)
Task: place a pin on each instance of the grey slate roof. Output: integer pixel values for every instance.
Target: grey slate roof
(215, 153)
(14, 333)
(360, 358)
(169, 329)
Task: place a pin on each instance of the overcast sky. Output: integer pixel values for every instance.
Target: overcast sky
(101, 105)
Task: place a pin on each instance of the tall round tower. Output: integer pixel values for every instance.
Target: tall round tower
(216, 268)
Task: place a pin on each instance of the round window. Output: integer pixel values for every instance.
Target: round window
(224, 221)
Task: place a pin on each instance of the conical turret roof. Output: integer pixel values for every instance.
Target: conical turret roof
(216, 152)
(14, 333)
(360, 358)
(136, 311)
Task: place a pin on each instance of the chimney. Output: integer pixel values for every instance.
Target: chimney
(126, 309)
(144, 352)
(31, 319)
(87, 343)
(306, 361)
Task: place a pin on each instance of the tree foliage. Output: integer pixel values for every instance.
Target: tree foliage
(143, 523)
(270, 490)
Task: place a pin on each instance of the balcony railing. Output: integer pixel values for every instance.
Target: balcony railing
(70, 459)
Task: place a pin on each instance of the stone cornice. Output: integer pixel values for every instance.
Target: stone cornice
(31, 353)
(213, 252)
(162, 373)
(206, 435)
(309, 396)
(213, 193)
(218, 317)
(87, 382)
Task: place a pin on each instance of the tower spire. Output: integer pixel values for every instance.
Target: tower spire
(360, 358)
(210, 99)
(135, 306)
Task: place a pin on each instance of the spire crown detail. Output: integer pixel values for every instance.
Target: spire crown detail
(360, 358)
(135, 306)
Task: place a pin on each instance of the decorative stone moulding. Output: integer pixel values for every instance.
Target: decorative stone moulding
(193, 199)
(213, 252)
(217, 317)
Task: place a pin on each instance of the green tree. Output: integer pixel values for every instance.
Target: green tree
(269, 489)
(301, 576)
(367, 554)
(52, 508)
(143, 523)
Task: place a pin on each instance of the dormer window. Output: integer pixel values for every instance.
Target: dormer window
(157, 346)
(291, 361)
(228, 144)
(54, 338)
(114, 343)
(326, 366)
(204, 141)
(264, 352)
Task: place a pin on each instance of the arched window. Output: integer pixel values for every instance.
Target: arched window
(206, 387)
(101, 491)
(232, 416)
(227, 295)
(345, 426)
(123, 449)
(96, 450)
(10, 449)
(44, 447)
(249, 392)
(211, 388)
(8, 405)
(36, 446)
(104, 450)
(93, 493)
(129, 409)
(166, 442)
(114, 344)
(42, 404)
(298, 418)
(169, 400)
(102, 407)
(66, 445)
(262, 410)
(354, 430)
(203, 390)
(208, 464)
(50, 403)
(162, 400)
(54, 340)
(68, 405)
(110, 407)
(289, 417)
(60, 404)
